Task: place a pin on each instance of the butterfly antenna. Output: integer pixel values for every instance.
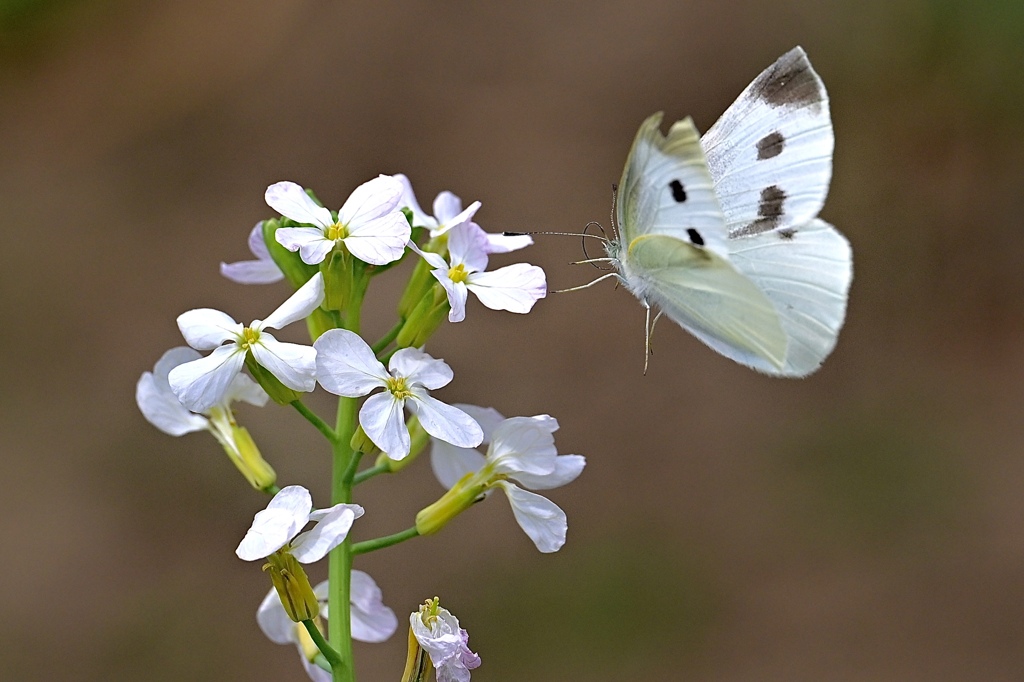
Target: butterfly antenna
(588, 259)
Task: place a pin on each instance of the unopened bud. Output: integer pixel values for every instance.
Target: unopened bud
(277, 391)
(461, 497)
(292, 586)
(425, 318)
(360, 442)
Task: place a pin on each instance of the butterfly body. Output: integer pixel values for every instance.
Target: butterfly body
(721, 233)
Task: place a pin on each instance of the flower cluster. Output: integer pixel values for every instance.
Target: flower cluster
(329, 258)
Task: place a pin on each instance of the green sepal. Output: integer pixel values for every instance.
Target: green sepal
(295, 271)
(425, 318)
(292, 585)
(466, 491)
(250, 462)
(360, 442)
(278, 392)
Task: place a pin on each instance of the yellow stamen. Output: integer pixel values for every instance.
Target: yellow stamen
(336, 231)
(399, 388)
(458, 273)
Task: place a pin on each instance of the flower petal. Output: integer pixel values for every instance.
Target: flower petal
(381, 240)
(271, 530)
(487, 417)
(201, 384)
(330, 531)
(419, 217)
(499, 243)
(443, 421)
(457, 294)
(206, 328)
(419, 368)
(273, 621)
(162, 409)
(294, 365)
(467, 244)
(514, 288)
(450, 463)
(310, 242)
(372, 200)
(567, 469)
(383, 419)
(540, 518)
(294, 499)
(263, 270)
(178, 355)
(372, 621)
(524, 445)
(447, 206)
(245, 390)
(291, 201)
(299, 305)
(346, 366)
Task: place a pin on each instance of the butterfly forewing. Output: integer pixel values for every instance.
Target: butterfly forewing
(666, 188)
(770, 153)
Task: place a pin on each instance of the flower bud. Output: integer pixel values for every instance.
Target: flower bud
(292, 586)
(417, 663)
(461, 497)
(425, 318)
(360, 442)
(295, 271)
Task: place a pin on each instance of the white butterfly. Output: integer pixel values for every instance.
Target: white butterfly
(721, 233)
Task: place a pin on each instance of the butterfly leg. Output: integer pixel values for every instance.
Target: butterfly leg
(587, 285)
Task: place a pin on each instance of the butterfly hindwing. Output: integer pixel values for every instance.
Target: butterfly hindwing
(805, 272)
(770, 153)
(666, 188)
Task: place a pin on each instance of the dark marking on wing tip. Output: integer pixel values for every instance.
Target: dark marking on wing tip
(789, 82)
(694, 236)
(769, 210)
(770, 146)
(787, 234)
(678, 191)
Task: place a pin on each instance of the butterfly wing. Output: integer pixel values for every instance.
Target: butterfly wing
(770, 153)
(666, 188)
(805, 272)
(707, 296)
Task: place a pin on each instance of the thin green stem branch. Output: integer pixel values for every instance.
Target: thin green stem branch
(367, 474)
(315, 420)
(386, 541)
(326, 649)
(386, 340)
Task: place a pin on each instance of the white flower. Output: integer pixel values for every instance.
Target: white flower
(346, 366)
(201, 384)
(522, 450)
(448, 213)
(514, 287)
(263, 270)
(279, 527)
(162, 409)
(370, 224)
(371, 620)
(438, 633)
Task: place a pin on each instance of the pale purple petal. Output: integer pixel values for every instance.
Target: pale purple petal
(346, 366)
(540, 518)
(419, 217)
(380, 241)
(467, 244)
(450, 463)
(291, 201)
(263, 270)
(329, 532)
(567, 469)
(499, 243)
(206, 328)
(162, 409)
(273, 621)
(294, 365)
(299, 305)
(372, 621)
(457, 294)
(419, 368)
(514, 288)
(257, 244)
(448, 206)
(487, 417)
(372, 200)
(201, 384)
(443, 421)
(310, 242)
(383, 419)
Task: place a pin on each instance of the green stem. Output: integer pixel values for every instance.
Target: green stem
(326, 649)
(370, 473)
(315, 420)
(386, 340)
(386, 541)
(339, 626)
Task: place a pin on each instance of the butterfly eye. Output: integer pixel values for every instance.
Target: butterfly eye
(678, 191)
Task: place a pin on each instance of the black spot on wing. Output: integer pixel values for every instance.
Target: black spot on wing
(678, 191)
(770, 146)
(695, 237)
(769, 210)
(789, 82)
(787, 234)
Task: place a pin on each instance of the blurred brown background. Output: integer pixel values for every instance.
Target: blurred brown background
(865, 523)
